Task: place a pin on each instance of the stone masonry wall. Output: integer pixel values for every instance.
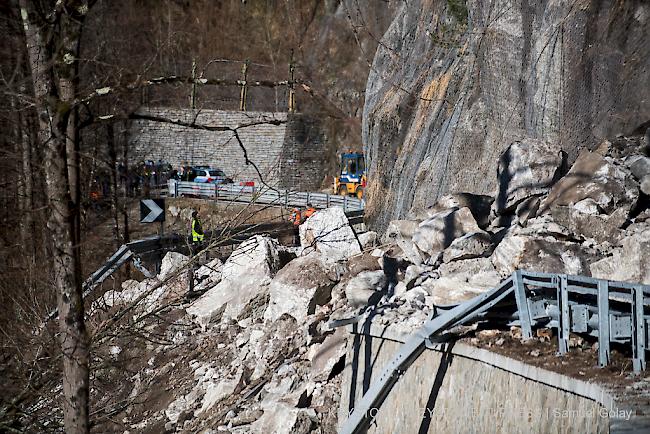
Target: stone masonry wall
(277, 150)
(447, 393)
(302, 162)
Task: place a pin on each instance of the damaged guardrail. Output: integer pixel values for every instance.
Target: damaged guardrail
(611, 311)
(137, 251)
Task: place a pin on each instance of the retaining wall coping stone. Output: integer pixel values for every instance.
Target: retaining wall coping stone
(610, 400)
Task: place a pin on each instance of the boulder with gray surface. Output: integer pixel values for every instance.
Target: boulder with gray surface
(471, 245)
(639, 166)
(478, 204)
(609, 185)
(594, 199)
(363, 286)
(543, 227)
(325, 355)
(329, 233)
(461, 280)
(298, 288)
(583, 225)
(527, 168)
(246, 273)
(171, 262)
(437, 232)
(208, 275)
(521, 252)
(401, 233)
(368, 240)
(630, 261)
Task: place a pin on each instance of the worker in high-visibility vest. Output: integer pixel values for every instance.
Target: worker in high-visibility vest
(309, 211)
(197, 228)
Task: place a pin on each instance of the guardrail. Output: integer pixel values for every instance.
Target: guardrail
(157, 246)
(264, 195)
(608, 310)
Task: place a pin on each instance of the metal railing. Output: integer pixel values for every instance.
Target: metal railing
(156, 246)
(264, 195)
(611, 311)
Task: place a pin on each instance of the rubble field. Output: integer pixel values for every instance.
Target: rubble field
(255, 350)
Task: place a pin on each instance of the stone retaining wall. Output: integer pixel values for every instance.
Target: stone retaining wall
(289, 155)
(465, 389)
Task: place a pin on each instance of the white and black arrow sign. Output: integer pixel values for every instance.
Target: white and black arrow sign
(152, 210)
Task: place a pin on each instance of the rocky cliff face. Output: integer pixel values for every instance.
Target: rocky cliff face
(453, 84)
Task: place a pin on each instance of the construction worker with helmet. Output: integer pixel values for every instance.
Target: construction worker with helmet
(309, 211)
(295, 216)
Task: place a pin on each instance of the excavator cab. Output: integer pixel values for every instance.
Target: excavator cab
(352, 177)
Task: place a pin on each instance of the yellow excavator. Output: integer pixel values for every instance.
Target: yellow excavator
(352, 176)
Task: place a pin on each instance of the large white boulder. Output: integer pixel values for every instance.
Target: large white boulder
(363, 286)
(401, 233)
(208, 275)
(527, 168)
(452, 289)
(257, 255)
(461, 280)
(283, 418)
(471, 245)
(517, 252)
(298, 288)
(328, 232)
(595, 177)
(246, 273)
(437, 232)
(171, 262)
(629, 262)
(131, 291)
(150, 294)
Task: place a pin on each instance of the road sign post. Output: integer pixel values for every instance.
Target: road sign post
(151, 211)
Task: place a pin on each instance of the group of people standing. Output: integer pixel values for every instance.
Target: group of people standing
(297, 217)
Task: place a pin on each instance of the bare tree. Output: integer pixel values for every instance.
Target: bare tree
(52, 34)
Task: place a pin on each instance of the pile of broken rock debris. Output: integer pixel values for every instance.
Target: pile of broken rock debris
(257, 351)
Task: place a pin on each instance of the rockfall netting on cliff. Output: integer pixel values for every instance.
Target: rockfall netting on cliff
(454, 82)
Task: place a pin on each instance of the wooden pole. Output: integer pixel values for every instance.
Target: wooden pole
(292, 91)
(193, 92)
(242, 96)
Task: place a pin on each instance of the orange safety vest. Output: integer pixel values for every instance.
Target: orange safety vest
(309, 212)
(295, 217)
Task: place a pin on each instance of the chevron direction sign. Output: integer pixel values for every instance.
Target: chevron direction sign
(152, 210)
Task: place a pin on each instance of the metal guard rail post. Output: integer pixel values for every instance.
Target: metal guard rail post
(554, 299)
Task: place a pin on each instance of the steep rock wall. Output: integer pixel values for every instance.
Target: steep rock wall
(453, 83)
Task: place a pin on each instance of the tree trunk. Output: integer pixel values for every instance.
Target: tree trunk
(53, 123)
(125, 212)
(68, 79)
(112, 160)
(27, 226)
